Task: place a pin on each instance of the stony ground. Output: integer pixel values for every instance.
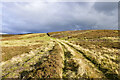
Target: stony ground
(61, 55)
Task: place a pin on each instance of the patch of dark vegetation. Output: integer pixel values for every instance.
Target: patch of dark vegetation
(7, 35)
(70, 64)
(111, 76)
(115, 45)
(24, 74)
(68, 54)
(98, 44)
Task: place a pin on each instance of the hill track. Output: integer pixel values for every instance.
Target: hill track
(77, 66)
(88, 64)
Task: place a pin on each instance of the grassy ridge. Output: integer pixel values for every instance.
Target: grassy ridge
(65, 54)
(101, 38)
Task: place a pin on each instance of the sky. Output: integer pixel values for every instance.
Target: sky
(43, 17)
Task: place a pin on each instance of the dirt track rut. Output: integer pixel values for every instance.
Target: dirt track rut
(81, 66)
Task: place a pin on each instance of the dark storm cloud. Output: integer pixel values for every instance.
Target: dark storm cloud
(48, 17)
(106, 7)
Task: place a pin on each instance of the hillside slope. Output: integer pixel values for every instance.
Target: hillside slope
(68, 54)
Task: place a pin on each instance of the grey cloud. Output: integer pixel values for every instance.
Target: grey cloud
(106, 7)
(48, 17)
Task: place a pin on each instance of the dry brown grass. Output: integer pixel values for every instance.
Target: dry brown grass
(90, 34)
(80, 54)
(13, 45)
(49, 66)
(9, 52)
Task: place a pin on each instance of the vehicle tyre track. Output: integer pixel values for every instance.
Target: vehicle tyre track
(111, 75)
(85, 68)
